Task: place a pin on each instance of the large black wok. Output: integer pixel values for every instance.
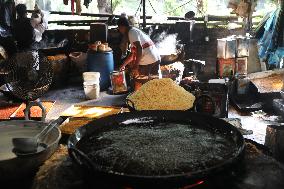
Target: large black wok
(97, 172)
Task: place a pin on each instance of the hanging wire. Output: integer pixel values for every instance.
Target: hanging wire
(179, 7)
(152, 7)
(138, 8)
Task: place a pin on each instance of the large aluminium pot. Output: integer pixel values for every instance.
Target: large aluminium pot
(13, 167)
(99, 172)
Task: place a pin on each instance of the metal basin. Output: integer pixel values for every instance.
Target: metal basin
(14, 167)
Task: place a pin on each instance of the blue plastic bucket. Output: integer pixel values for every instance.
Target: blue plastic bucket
(101, 62)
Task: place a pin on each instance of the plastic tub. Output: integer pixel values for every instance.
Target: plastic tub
(91, 77)
(92, 90)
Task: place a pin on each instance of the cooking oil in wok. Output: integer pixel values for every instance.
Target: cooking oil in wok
(151, 149)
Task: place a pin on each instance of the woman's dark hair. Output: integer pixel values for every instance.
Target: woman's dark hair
(21, 9)
(123, 21)
(189, 15)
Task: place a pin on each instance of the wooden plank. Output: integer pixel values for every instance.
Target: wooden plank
(264, 74)
(210, 17)
(77, 21)
(89, 111)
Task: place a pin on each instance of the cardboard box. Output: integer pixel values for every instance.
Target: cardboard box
(225, 67)
(226, 48)
(242, 66)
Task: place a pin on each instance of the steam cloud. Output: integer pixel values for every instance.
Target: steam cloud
(167, 43)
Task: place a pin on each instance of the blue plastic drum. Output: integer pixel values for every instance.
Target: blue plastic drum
(101, 62)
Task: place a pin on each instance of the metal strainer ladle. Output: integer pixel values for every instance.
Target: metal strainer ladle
(28, 145)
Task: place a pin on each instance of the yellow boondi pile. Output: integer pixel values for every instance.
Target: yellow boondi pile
(162, 94)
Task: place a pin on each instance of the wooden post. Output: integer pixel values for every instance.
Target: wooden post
(144, 13)
(248, 20)
(274, 140)
(111, 7)
(281, 25)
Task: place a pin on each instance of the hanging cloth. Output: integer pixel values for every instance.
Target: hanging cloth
(72, 6)
(78, 7)
(267, 42)
(87, 2)
(7, 14)
(243, 9)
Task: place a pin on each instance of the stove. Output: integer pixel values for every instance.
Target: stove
(216, 91)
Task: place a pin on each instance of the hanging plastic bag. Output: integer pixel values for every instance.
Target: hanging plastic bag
(233, 4)
(243, 9)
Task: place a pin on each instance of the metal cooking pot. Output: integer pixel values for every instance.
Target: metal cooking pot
(172, 58)
(97, 172)
(14, 167)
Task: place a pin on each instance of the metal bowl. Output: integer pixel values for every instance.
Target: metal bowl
(13, 167)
